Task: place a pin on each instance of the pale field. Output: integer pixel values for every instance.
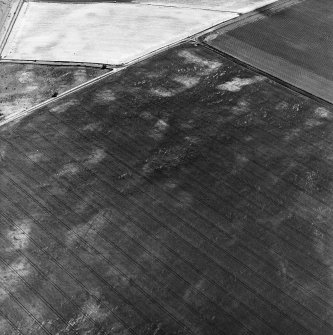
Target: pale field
(108, 33)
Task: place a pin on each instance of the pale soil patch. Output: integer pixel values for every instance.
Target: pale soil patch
(19, 237)
(207, 66)
(96, 156)
(323, 113)
(237, 84)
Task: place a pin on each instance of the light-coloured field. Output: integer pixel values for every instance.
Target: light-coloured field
(23, 86)
(111, 33)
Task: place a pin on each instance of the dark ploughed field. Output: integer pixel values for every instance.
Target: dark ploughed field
(183, 195)
(294, 45)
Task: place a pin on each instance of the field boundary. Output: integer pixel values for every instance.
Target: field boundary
(196, 38)
(246, 18)
(11, 13)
